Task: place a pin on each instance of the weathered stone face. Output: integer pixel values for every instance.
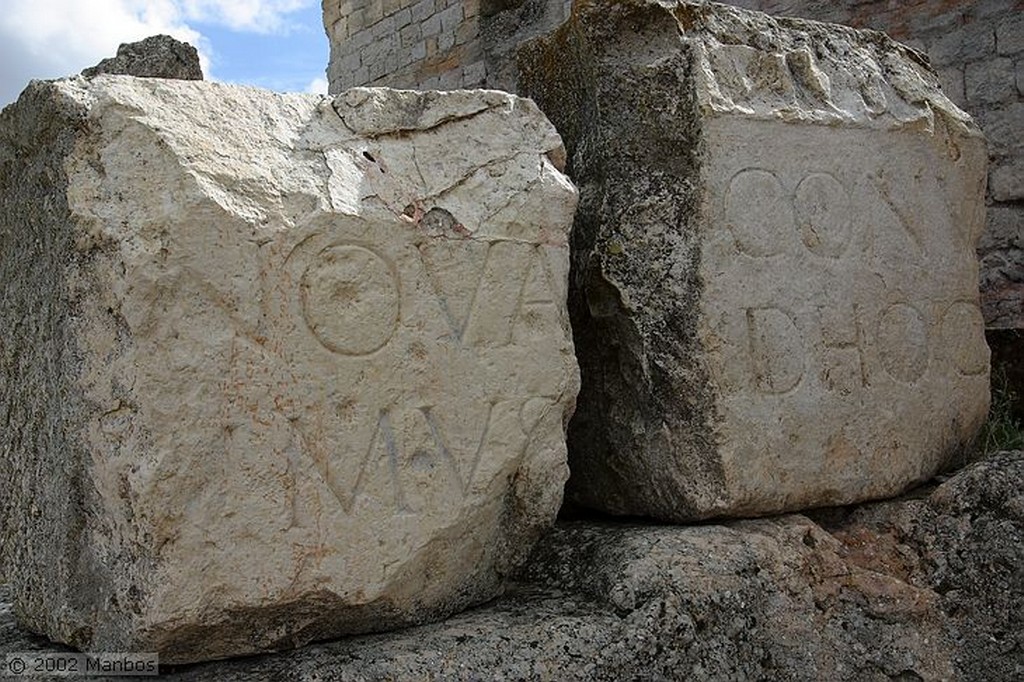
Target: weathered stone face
(307, 362)
(775, 286)
(841, 309)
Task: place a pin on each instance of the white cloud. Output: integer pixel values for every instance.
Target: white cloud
(260, 16)
(54, 38)
(317, 86)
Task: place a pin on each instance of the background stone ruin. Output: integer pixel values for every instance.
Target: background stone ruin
(774, 278)
(440, 44)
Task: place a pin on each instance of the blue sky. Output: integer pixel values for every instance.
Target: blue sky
(275, 44)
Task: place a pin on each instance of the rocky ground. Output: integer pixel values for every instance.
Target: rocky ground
(929, 586)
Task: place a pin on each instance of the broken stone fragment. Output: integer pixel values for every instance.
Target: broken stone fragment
(158, 56)
(774, 290)
(249, 401)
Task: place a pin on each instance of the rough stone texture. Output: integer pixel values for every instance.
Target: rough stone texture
(1008, 372)
(155, 57)
(928, 587)
(1002, 276)
(274, 368)
(774, 289)
(504, 32)
(965, 543)
(978, 48)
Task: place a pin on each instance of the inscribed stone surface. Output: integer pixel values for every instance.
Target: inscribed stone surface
(277, 367)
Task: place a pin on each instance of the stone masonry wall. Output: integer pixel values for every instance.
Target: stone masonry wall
(429, 44)
(977, 48)
(432, 44)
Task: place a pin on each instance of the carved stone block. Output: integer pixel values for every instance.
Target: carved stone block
(275, 368)
(775, 296)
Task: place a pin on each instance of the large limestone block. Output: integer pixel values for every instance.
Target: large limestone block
(775, 290)
(275, 368)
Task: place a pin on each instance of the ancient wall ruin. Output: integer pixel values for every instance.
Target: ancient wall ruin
(404, 43)
(431, 44)
(280, 368)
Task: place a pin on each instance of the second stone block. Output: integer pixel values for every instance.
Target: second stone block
(775, 288)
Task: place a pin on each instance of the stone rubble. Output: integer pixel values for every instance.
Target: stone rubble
(929, 587)
(277, 369)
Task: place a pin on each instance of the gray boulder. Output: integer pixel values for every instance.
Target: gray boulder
(155, 57)
(964, 543)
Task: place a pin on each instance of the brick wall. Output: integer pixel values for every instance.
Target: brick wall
(432, 44)
(428, 44)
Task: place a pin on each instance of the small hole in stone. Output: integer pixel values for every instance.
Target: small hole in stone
(369, 157)
(438, 219)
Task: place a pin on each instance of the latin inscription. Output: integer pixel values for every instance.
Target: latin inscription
(897, 338)
(823, 213)
(782, 346)
(472, 294)
(756, 208)
(350, 299)
(479, 304)
(412, 456)
(759, 210)
(838, 299)
(775, 350)
(902, 338)
(351, 295)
